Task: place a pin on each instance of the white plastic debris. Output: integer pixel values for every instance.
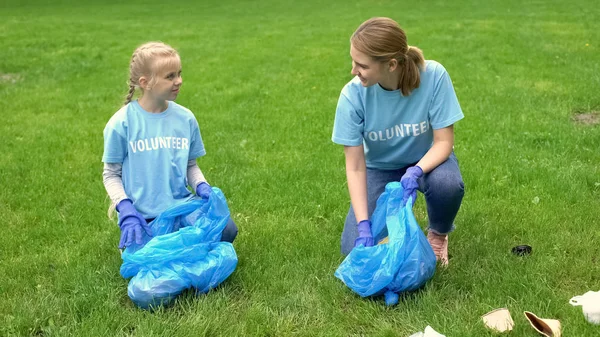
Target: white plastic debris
(429, 332)
(590, 305)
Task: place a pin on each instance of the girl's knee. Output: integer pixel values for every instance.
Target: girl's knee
(230, 231)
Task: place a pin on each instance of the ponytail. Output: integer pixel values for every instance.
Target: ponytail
(410, 76)
(384, 40)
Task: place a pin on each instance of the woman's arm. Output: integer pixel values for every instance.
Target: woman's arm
(356, 173)
(443, 142)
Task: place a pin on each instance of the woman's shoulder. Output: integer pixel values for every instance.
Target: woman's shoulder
(354, 83)
(434, 67)
(433, 74)
(353, 87)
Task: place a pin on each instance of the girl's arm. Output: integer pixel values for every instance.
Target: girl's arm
(194, 175)
(356, 173)
(443, 142)
(111, 177)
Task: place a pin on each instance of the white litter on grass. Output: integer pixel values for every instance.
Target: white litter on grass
(429, 332)
(498, 320)
(9, 78)
(590, 305)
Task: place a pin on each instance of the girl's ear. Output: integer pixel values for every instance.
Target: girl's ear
(143, 81)
(392, 65)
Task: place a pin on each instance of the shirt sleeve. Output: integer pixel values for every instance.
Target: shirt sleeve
(348, 125)
(194, 175)
(115, 142)
(445, 109)
(196, 144)
(111, 177)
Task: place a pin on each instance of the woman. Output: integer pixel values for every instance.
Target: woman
(395, 119)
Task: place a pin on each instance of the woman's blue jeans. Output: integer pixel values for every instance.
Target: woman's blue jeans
(443, 188)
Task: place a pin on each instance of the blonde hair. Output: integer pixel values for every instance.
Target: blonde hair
(147, 60)
(384, 40)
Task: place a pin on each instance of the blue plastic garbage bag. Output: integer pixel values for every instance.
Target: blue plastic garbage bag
(185, 252)
(405, 263)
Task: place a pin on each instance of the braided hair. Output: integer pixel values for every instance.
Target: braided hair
(144, 63)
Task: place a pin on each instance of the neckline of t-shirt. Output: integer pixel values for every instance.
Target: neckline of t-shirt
(396, 92)
(147, 114)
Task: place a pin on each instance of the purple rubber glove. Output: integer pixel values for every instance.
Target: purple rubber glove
(364, 234)
(132, 223)
(203, 190)
(410, 184)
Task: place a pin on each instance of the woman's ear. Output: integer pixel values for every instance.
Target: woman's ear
(392, 65)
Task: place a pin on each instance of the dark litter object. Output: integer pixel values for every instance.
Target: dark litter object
(522, 250)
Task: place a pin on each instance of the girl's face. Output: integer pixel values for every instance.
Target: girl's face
(167, 81)
(368, 70)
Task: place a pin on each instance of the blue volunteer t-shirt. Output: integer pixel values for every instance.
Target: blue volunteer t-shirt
(396, 131)
(154, 149)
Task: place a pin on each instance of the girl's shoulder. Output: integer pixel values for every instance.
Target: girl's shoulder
(119, 118)
(180, 109)
(183, 114)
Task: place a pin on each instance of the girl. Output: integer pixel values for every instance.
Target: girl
(395, 120)
(151, 145)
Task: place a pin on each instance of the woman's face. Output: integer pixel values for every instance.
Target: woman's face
(368, 70)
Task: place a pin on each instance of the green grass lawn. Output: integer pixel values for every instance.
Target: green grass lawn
(263, 79)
